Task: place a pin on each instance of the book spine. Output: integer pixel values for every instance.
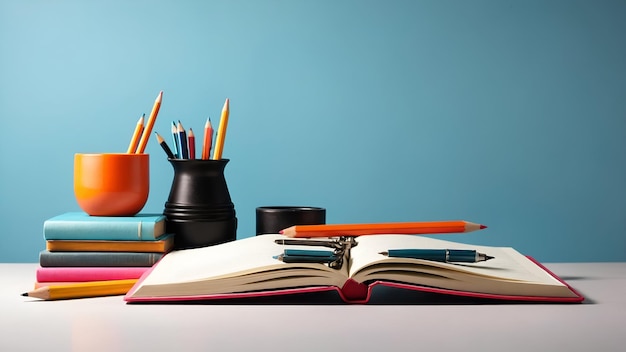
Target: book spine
(107, 246)
(79, 274)
(100, 230)
(98, 259)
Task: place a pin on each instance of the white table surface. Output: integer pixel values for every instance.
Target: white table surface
(109, 324)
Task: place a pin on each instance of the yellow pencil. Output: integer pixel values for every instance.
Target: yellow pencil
(221, 131)
(147, 131)
(138, 129)
(83, 289)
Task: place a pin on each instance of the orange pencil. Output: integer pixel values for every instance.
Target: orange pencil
(221, 131)
(409, 228)
(148, 129)
(138, 129)
(191, 144)
(208, 139)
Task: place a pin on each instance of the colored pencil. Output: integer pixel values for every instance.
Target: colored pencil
(82, 289)
(182, 141)
(410, 228)
(149, 125)
(208, 139)
(165, 147)
(176, 150)
(136, 135)
(191, 144)
(221, 131)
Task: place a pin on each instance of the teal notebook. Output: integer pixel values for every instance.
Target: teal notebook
(81, 226)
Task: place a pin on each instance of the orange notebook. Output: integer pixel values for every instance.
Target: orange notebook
(161, 245)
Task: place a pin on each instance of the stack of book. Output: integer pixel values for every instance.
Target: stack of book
(83, 248)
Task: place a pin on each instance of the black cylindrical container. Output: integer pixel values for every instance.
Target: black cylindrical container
(199, 211)
(272, 219)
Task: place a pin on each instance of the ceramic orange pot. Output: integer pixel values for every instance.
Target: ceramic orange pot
(111, 184)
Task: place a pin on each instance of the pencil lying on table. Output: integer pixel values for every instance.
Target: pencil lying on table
(407, 228)
(83, 289)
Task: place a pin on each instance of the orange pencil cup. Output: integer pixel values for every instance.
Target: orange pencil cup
(111, 184)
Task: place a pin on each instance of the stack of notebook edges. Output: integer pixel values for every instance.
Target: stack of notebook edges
(83, 248)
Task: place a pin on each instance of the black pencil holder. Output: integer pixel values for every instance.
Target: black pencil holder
(199, 211)
(272, 219)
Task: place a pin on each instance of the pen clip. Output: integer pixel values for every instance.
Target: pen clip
(341, 248)
(337, 243)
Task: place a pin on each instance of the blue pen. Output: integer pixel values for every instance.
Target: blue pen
(439, 255)
(309, 253)
(307, 256)
(305, 259)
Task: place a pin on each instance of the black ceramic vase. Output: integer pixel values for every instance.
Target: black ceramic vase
(199, 211)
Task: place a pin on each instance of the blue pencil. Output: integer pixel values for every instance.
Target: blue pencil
(182, 142)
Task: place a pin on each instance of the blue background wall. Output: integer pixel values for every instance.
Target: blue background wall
(507, 113)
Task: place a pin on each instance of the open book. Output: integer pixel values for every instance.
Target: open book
(249, 268)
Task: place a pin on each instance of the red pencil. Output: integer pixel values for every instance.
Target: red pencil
(191, 144)
(208, 139)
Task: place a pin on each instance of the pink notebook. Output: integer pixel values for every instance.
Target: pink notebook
(79, 274)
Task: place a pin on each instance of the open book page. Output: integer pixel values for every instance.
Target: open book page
(508, 273)
(243, 265)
